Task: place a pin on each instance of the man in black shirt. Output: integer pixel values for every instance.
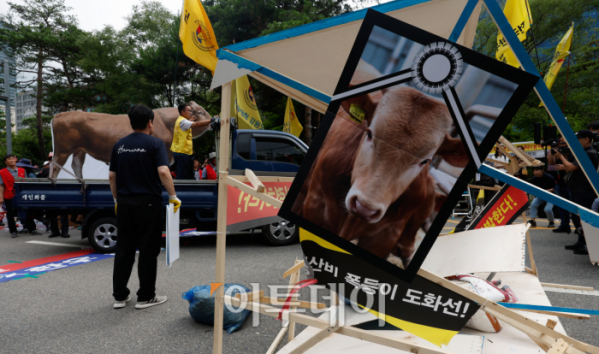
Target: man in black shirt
(138, 166)
(561, 187)
(581, 191)
(546, 182)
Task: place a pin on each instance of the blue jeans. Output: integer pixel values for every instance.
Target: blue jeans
(564, 215)
(548, 209)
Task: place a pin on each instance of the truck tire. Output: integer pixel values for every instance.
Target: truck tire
(281, 233)
(102, 235)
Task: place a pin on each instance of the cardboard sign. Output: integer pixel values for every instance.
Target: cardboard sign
(421, 307)
(402, 137)
(505, 207)
(245, 211)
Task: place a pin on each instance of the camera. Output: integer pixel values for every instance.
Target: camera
(555, 147)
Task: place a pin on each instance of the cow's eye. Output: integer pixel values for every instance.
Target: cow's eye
(424, 162)
(369, 134)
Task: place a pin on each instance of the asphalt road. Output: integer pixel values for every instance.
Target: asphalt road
(70, 310)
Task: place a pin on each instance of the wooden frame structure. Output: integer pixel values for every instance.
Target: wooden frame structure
(545, 336)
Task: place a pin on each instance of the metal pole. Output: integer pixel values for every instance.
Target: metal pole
(8, 116)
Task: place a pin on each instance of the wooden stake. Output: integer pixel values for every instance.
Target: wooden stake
(533, 265)
(251, 191)
(221, 221)
(292, 281)
(298, 265)
(258, 186)
(558, 314)
(474, 186)
(264, 179)
(278, 339)
(559, 347)
(574, 287)
(551, 324)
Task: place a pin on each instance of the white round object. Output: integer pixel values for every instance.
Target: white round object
(437, 67)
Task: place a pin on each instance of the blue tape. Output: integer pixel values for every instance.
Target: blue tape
(543, 92)
(590, 218)
(548, 308)
(241, 62)
(322, 24)
(463, 20)
(529, 188)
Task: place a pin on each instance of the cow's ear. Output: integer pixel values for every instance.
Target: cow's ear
(453, 151)
(362, 107)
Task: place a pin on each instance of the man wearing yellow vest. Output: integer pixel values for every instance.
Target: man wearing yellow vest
(182, 146)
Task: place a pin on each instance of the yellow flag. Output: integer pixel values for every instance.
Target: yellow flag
(292, 124)
(517, 13)
(561, 52)
(197, 36)
(248, 116)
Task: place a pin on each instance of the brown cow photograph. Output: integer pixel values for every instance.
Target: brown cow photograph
(393, 154)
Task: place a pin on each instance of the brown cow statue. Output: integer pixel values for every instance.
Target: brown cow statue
(80, 133)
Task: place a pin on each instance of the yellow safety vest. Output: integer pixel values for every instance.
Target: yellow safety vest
(182, 139)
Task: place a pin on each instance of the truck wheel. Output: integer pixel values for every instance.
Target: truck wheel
(281, 233)
(102, 235)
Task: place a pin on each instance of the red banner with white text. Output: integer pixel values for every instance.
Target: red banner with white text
(245, 211)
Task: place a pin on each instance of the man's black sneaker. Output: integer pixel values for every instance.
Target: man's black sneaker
(562, 230)
(532, 223)
(575, 246)
(582, 250)
(52, 235)
(551, 225)
(65, 236)
(157, 300)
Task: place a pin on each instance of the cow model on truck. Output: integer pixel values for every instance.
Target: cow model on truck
(269, 153)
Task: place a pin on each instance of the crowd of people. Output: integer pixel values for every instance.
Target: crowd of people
(565, 178)
(23, 168)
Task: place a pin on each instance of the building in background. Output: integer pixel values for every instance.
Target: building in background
(13, 79)
(26, 101)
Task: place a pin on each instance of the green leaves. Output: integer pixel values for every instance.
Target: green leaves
(551, 20)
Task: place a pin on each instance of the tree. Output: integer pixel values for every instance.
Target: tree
(551, 20)
(235, 21)
(37, 31)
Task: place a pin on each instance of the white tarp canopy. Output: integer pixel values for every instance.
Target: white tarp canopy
(305, 62)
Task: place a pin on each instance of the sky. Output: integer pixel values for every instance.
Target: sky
(95, 15)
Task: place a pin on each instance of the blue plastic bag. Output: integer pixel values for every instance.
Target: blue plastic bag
(201, 306)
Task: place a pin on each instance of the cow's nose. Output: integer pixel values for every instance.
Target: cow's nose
(362, 211)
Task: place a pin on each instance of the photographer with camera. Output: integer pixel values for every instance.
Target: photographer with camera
(561, 187)
(581, 191)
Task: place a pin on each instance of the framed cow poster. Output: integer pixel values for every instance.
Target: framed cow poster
(412, 118)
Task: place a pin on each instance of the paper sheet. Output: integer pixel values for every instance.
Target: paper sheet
(172, 235)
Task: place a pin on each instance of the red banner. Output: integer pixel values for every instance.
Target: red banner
(245, 211)
(505, 207)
